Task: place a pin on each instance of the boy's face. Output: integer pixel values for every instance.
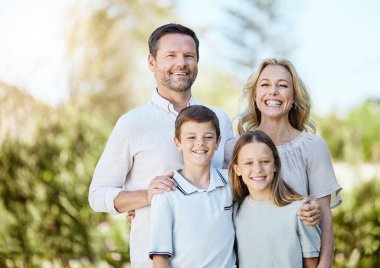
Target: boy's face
(198, 142)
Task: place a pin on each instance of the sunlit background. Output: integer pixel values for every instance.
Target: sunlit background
(69, 69)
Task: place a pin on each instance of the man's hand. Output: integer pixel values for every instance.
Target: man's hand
(310, 211)
(160, 184)
(130, 216)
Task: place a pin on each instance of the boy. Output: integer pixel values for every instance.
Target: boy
(192, 226)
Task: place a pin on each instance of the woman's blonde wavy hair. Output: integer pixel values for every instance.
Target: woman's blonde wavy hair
(250, 118)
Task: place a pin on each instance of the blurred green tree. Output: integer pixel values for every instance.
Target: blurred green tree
(354, 138)
(357, 227)
(254, 28)
(43, 196)
(107, 50)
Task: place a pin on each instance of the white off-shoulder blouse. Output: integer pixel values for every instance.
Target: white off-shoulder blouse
(306, 166)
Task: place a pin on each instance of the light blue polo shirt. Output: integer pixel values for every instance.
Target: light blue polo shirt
(194, 226)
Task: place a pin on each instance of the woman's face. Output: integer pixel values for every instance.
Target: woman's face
(274, 92)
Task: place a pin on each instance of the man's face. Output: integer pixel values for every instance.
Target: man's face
(175, 66)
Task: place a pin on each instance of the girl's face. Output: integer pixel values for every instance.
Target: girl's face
(274, 92)
(255, 164)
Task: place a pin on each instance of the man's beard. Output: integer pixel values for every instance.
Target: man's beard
(177, 85)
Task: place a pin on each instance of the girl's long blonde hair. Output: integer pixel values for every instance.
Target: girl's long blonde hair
(250, 118)
(282, 193)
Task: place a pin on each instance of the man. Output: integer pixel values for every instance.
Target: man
(141, 144)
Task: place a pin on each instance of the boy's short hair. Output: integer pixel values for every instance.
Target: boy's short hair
(197, 113)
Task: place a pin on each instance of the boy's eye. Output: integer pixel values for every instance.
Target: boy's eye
(209, 137)
(190, 138)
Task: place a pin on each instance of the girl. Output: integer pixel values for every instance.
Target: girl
(269, 232)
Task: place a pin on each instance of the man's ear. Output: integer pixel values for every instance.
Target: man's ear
(151, 62)
(177, 144)
(237, 169)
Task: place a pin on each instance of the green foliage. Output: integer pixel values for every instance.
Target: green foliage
(357, 227)
(108, 49)
(356, 137)
(44, 189)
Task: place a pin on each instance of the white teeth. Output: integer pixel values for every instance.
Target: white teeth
(180, 73)
(258, 178)
(200, 151)
(273, 102)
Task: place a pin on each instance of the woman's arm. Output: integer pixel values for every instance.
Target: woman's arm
(160, 261)
(310, 262)
(327, 234)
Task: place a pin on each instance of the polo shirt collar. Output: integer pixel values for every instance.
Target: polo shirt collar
(216, 180)
(167, 105)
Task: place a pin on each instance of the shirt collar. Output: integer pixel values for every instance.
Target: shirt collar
(166, 105)
(216, 180)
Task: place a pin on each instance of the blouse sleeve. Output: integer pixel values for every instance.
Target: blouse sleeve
(322, 179)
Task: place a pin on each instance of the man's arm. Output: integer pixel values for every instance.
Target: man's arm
(105, 193)
(130, 200)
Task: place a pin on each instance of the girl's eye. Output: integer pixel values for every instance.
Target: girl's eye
(265, 85)
(247, 163)
(284, 86)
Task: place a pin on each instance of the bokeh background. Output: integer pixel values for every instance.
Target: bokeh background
(69, 69)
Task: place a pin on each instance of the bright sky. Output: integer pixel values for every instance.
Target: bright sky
(337, 47)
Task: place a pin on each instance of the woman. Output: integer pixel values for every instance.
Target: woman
(279, 105)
